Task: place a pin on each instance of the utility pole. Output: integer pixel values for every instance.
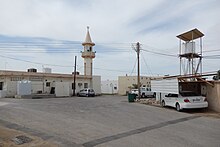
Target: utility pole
(74, 79)
(138, 76)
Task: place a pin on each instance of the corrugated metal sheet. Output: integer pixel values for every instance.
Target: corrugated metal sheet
(165, 86)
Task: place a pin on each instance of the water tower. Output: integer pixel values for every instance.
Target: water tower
(190, 52)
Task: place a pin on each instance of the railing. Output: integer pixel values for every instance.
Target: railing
(88, 54)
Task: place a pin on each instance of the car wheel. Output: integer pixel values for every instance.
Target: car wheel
(178, 107)
(163, 103)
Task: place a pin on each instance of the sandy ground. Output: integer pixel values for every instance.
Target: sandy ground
(6, 136)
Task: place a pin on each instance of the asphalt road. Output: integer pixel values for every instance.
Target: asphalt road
(108, 121)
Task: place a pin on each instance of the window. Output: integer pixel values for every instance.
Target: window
(47, 84)
(17, 78)
(1, 85)
(85, 85)
(79, 84)
(171, 95)
(188, 93)
(36, 78)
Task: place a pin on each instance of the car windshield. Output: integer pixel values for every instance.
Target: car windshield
(134, 90)
(188, 93)
(143, 89)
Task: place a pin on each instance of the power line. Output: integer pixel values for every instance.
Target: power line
(148, 67)
(159, 53)
(216, 50)
(133, 67)
(212, 57)
(38, 63)
(34, 62)
(162, 50)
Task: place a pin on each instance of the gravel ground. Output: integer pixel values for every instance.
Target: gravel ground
(7, 136)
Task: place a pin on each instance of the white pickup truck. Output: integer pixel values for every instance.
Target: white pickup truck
(184, 100)
(144, 92)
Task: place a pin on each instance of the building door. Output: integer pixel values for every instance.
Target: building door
(1, 85)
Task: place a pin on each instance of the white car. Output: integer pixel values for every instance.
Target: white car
(184, 100)
(86, 92)
(134, 91)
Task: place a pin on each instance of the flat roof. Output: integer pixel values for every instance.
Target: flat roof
(190, 35)
(56, 75)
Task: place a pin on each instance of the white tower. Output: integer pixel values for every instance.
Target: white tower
(88, 54)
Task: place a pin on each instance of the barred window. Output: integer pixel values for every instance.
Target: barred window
(17, 78)
(36, 79)
(85, 85)
(48, 84)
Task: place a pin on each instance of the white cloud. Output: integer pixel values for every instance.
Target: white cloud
(153, 23)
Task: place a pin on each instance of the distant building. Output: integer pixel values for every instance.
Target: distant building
(109, 87)
(126, 83)
(51, 83)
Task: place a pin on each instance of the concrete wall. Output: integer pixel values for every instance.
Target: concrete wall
(96, 81)
(213, 96)
(2, 93)
(62, 89)
(11, 88)
(37, 87)
(109, 87)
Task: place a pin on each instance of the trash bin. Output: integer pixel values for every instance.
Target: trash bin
(131, 97)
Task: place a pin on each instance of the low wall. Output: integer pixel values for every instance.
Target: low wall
(213, 96)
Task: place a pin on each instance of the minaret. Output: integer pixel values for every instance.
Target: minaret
(88, 54)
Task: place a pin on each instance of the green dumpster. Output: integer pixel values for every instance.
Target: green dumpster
(131, 97)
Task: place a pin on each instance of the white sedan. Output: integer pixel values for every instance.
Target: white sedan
(184, 100)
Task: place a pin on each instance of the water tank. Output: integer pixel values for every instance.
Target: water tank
(47, 70)
(32, 70)
(188, 47)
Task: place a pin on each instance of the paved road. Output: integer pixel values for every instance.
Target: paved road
(108, 121)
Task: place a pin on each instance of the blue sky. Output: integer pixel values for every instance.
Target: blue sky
(49, 33)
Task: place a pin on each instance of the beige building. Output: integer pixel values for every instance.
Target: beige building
(126, 83)
(213, 95)
(51, 83)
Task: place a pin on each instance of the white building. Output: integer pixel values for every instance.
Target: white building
(52, 83)
(109, 87)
